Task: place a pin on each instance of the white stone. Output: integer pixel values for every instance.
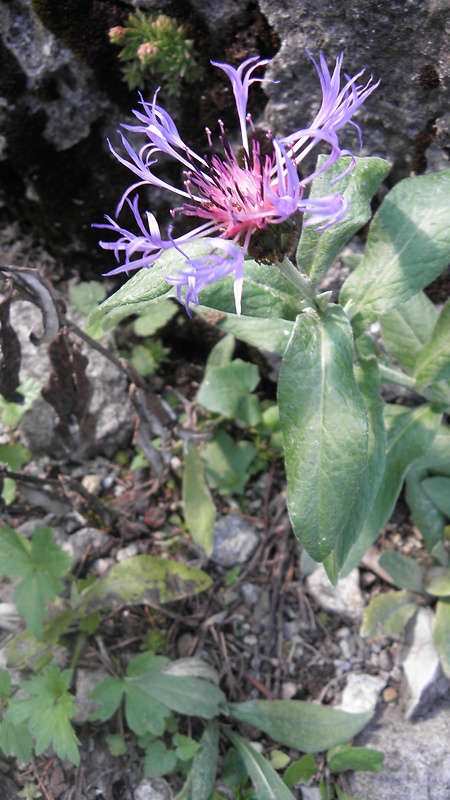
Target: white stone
(345, 599)
(361, 693)
(424, 681)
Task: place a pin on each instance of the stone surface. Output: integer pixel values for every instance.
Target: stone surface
(110, 404)
(424, 680)
(417, 758)
(235, 541)
(406, 43)
(344, 599)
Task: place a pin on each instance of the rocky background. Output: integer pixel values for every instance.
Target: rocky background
(62, 94)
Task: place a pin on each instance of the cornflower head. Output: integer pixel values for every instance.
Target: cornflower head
(232, 197)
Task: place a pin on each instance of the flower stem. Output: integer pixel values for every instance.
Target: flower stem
(391, 375)
(299, 280)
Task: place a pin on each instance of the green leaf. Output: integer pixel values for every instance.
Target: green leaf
(325, 430)
(227, 462)
(267, 334)
(144, 714)
(388, 614)
(143, 579)
(437, 458)
(302, 770)
(204, 765)
(425, 515)
(185, 747)
(5, 683)
(266, 293)
(15, 740)
(41, 565)
(198, 505)
(438, 490)
(410, 432)
(158, 315)
(223, 388)
(318, 249)
(159, 760)
(407, 247)
(433, 361)
(222, 353)
(117, 745)
(193, 697)
(367, 377)
(86, 296)
(345, 757)
(442, 634)
(341, 795)
(14, 455)
(407, 329)
(109, 694)
(267, 783)
(404, 571)
(48, 712)
(439, 585)
(305, 726)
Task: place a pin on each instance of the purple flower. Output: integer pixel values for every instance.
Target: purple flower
(232, 198)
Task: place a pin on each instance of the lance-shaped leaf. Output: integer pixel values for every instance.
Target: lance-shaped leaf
(441, 634)
(308, 727)
(438, 490)
(367, 376)
(426, 517)
(318, 249)
(267, 783)
(407, 247)
(410, 432)
(404, 571)
(143, 579)
(407, 329)
(388, 613)
(204, 765)
(199, 508)
(325, 430)
(433, 361)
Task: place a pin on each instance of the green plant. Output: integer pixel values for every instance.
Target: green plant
(153, 44)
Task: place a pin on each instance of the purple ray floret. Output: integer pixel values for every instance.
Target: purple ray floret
(232, 197)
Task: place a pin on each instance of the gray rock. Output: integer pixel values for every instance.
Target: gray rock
(345, 599)
(110, 406)
(235, 541)
(424, 680)
(417, 758)
(153, 789)
(406, 44)
(77, 544)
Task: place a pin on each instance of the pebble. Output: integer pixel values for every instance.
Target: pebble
(92, 484)
(153, 789)
(127, 552)
(345, 599)
(288, 690)
(361, 693)
(77, 544)
(250, 593)
(235, 541)
(390, 694)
